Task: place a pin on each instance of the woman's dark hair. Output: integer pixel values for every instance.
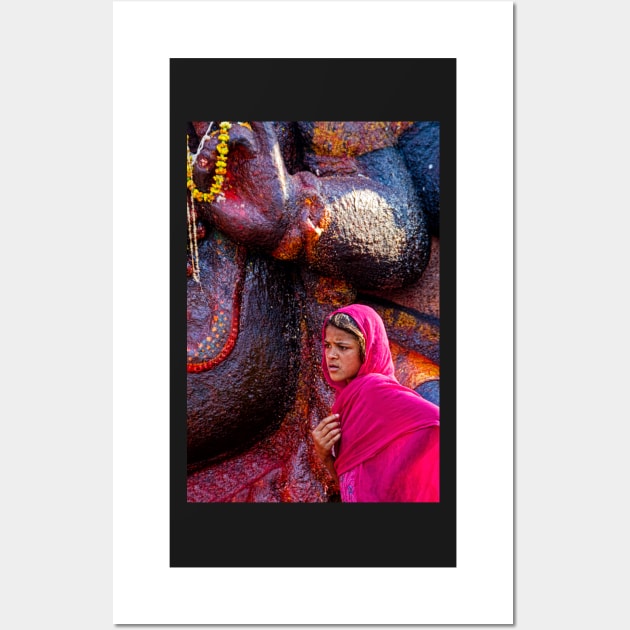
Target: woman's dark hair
(343, 321)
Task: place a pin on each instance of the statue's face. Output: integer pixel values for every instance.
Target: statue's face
(242, 330)
(256, 191)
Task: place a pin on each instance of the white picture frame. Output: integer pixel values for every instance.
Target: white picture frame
(480, 589)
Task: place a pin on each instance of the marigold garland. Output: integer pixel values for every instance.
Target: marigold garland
(196, 195)
(219, 171)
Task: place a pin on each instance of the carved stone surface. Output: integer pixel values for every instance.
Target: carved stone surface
(311, 216)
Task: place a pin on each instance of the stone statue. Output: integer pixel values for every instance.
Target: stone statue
(288, 221)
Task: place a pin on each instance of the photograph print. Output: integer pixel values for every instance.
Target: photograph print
(319, 274)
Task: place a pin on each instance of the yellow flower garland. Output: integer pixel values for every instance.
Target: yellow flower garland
(219, 170)
(197, 195)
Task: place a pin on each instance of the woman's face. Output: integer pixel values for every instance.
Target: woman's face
(343, 357)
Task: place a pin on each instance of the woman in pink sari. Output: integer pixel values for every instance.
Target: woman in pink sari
(382, 440)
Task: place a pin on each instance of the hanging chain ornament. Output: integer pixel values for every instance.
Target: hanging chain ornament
(192, 239)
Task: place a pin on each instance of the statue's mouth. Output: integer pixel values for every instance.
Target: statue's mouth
(213, 303)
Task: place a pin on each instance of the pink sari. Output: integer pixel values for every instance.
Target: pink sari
(389, 448)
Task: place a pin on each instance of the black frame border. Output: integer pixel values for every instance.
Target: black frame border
(329, 534)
